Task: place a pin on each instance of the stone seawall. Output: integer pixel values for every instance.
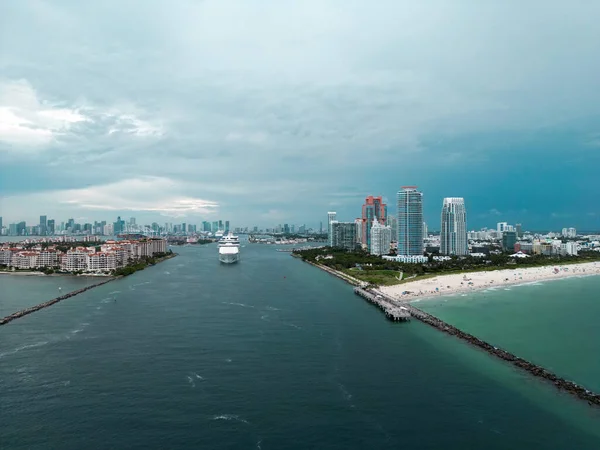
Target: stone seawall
(537, 371)
(35, 308)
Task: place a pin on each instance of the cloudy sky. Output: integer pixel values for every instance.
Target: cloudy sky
(274, 111)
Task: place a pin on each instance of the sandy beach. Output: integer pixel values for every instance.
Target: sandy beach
(468, 282)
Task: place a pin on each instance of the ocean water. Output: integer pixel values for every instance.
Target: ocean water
(270, 353)
(552, 323)
(22, 291)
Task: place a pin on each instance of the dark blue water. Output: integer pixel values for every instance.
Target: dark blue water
(270, 353)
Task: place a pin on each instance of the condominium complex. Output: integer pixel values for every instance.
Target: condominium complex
(343, 235)
(110, 256)
(454, 227)
(381, 238)
(373, 209)
(410, 221)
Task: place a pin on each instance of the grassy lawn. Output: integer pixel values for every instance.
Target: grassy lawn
(383, 277)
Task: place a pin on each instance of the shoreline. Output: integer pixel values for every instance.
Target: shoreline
(34, 273)
(46, 304)
(470, 282)
(42, 274)
(570, 387)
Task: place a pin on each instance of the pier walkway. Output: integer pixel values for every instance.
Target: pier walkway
(395, 313)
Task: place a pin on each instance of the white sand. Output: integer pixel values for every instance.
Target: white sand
(468, 282)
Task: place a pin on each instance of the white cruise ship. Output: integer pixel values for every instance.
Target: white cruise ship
(229, 249)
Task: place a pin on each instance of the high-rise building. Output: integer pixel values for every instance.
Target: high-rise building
(43, 224)
(343, 235)
(215, 226)
(118, 226)
(0, 224)
(321, 227)
(359, 227)
(221, 225)
(374, 208)
(454, 227)
(51, 226)
(227, 226)
(519, 230)
(509, 239)
(381, 238)
(501, 227)
(410, 221)
(392, 222)
(331, 215)
(206, 226)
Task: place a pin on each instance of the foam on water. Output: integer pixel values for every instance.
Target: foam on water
(230, 417)
(243, 305)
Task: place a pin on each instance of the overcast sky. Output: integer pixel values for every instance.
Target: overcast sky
(265, 112)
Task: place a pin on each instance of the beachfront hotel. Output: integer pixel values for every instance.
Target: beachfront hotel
(454, 227)
(410, 221)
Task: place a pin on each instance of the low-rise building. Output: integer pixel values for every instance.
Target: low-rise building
(407, 259)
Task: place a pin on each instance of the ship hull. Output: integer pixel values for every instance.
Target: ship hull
(229, 258)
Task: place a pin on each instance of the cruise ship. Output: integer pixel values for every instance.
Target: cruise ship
(229, 249)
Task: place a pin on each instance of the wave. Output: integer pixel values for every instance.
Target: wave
(243, 305)
(272, 308)
(114, 292)
(264, 317)
(198, 376)
(191, 381)
(24, 347)
(230, 417)
(294, 326)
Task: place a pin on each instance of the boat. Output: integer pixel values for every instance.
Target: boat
(229, 249)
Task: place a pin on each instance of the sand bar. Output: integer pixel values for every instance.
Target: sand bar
(473, 281)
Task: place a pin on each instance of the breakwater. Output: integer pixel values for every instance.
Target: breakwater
(560, 383)
(395, 313)
(535, 370)
(35, 308)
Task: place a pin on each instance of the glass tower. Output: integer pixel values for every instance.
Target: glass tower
(410, 221)
(454, 227)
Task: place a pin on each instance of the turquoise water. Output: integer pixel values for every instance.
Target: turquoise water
(554, 324)
(270, 353)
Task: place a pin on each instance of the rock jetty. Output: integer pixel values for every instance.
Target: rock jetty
(535, 370)
(35, 308)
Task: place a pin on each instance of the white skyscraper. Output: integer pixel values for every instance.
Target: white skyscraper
(501, 227)
(454, 227)
(381, 238)
(331, 215)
